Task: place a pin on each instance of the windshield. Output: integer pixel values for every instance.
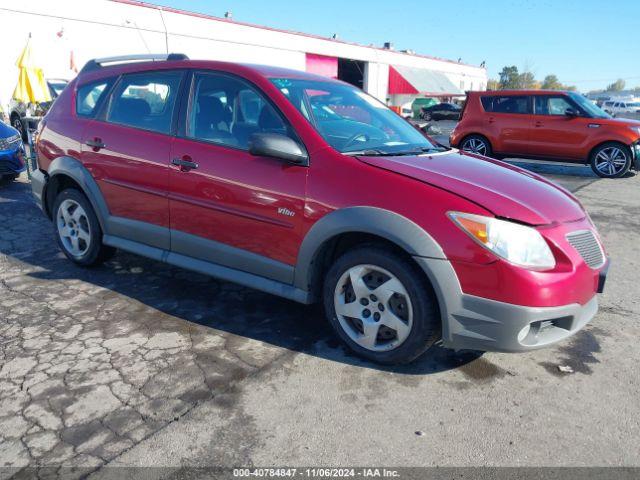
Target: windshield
(57, 88)
(592, 110)
(352, 121)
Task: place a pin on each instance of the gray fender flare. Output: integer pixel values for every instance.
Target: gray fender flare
(74, 169)
(377, 221)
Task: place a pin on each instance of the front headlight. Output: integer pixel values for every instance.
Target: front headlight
(518, 244)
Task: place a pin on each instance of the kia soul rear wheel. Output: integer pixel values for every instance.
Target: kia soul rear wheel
(476, 144)
(381, 305)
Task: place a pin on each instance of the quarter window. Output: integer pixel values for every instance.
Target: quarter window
(146, 100)
(88, 97)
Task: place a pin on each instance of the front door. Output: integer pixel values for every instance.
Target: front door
(128, 150)
(226, 205)
(555, 134)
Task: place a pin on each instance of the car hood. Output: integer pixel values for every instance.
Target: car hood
(7, 131)
(628, 122)
(505, 190)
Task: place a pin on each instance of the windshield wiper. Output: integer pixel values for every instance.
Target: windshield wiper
(369, 153)
(374, 152)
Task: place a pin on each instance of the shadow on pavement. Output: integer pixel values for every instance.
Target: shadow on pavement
(183, 295)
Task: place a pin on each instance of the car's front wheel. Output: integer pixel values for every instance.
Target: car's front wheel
(77, 229)
(381, 305)
(611, 160)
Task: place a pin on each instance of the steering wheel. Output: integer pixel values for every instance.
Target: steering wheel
(352, 139)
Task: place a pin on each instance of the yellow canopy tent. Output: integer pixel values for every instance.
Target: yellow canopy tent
(32, 87)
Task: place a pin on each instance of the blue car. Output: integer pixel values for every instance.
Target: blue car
(11, 152)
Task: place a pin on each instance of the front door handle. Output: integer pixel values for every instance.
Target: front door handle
(96, 144)
(539, 124)
(185, 163)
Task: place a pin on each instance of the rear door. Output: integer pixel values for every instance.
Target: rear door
(555, 134)
(127, 150)
(508, 121)
(226, 205)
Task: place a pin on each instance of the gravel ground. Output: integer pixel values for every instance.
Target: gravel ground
(140, 364)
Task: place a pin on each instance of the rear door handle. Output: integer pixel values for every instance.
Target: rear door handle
(539, 124)
(96, 144)
(185, 163)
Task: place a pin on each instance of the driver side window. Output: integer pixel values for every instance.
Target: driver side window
(227, 111)
(546, 105)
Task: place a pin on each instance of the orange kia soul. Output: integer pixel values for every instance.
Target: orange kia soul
(548, 125)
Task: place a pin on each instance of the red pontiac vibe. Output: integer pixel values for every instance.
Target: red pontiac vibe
(308, 188)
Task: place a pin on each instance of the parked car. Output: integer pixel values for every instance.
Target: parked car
(23, 115)
(11, 153)
(419, 103)
(548, 125)
(308, 188)
(441, 111)
(616, 108)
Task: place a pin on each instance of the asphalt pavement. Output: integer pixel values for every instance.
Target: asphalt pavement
(137, 363)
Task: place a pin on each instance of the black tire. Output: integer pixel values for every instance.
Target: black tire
(96, 252)
(427, 116)
(426, 327)
(9, 178)
(466, 141)
(601, 169)
(16, 122)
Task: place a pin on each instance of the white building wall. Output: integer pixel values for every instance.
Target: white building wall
(97, 28)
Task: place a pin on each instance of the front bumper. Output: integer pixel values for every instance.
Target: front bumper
(476, 323)
(635, 152)
(12, 162)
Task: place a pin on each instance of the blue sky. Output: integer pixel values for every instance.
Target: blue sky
(587, 43)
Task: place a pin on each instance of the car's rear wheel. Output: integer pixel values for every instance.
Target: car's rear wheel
(427, 116)
(476, 144)
(381, 305)
(77, 229)
(611, 160)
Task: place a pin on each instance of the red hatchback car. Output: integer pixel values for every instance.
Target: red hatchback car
(548, 125)
(308, 188)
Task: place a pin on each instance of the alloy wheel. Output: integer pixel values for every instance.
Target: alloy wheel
(475, 145)
(610, 161)
(373, 308)
(74, 228)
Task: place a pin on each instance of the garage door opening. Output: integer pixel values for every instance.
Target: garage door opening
(351, 71)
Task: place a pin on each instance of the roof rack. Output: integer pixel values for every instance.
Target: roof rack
(98, 63)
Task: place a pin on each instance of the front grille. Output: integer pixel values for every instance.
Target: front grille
(584, 241)
(11, 143)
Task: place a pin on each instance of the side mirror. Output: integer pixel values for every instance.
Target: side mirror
(278, 146)
(570, 112)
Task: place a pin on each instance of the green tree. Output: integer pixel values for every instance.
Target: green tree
(551, 82)
(616, 86)
(527, 80)
(493, 84)
(509, 78)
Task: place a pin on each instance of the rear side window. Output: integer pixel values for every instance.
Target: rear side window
(146, 100)
(507, 104)
(487, 103)
(89, 96)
